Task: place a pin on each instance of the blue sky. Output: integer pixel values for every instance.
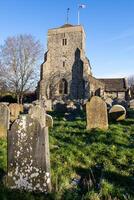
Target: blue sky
(109, 26)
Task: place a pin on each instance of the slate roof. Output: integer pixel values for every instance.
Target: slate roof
(114, 84)
(66, 26)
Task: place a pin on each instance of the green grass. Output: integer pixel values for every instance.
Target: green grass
(103, 161)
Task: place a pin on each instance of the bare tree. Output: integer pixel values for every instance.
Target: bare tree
(19, 57)
(131, 80)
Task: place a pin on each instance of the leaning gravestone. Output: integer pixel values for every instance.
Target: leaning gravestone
(4, 119)
(15, 110)
(117, 113)
(121, 102)
(96, 111)
(28, 151)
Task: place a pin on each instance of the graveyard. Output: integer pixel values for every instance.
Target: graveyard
(66, 100)
(85, 164)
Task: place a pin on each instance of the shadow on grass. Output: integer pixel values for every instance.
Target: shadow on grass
(13, 194)
(91, 179)
(127, 122)
(125, 182)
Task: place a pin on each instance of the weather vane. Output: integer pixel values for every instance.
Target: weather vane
(68, 14)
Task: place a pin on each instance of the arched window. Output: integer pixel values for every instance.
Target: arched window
(63, 86)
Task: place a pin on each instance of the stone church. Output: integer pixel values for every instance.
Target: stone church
(66, 73)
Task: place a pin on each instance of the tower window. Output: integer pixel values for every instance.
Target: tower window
(64, 63)
(63, 87)
(64, 41)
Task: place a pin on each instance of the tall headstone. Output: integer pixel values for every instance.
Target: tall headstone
(96, 111)
(28, 162)
(117, 113)
(4, 119)
(38, 112)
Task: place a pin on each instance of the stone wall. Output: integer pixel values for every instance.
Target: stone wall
(113, 95)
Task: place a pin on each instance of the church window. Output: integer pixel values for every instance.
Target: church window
(64, 41)
(63, 87)
(64, 63)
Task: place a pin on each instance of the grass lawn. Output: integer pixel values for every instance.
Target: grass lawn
(96, 165)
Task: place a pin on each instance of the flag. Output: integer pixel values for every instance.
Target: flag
(82, 6)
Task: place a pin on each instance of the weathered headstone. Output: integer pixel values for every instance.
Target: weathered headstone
(117, 113)
(48, 104)
(28, 156)
(96, 111)
(109, 101)
(4, 119)
(15, 110)
(38, 112)
(49, 121)
(131, 103)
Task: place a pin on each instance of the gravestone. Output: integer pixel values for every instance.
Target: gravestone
(117, 113)
(109, 102)
(4, 119)
(38, 112)
(48, 104)
(121, 102)
(15, 110)
(28, 156)
(96, 111)
(49, 121)
(131, 103)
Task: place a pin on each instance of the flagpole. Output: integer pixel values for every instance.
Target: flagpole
(79, 7)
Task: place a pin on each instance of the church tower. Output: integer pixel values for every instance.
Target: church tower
(65, 70)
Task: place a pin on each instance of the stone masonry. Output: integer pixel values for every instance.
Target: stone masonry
(65, 70)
